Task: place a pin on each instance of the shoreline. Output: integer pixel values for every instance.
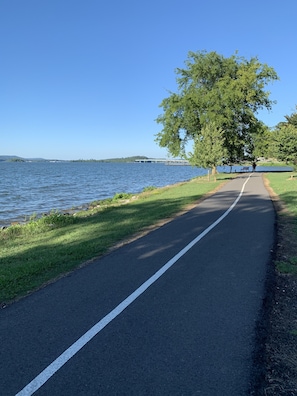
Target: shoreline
(25, 218)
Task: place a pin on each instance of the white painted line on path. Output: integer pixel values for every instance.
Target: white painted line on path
(50, 370)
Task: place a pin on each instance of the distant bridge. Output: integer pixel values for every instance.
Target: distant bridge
(163, 161)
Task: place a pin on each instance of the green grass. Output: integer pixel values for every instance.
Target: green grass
(35, 253)
(287, 267)
(271, 163)
(285, 186)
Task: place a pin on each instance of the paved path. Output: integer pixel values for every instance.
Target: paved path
(174, 312)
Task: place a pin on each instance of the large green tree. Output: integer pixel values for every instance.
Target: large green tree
(212, 88)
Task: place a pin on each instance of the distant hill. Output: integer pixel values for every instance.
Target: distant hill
(15, 158)
(121, 159)
(11, 158)
(125, 159)
(8, 157)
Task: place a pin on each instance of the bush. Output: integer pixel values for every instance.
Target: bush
(120, 196)
(36, 225)
(56, 219)
(149, 188)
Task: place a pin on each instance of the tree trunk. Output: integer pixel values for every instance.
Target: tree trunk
(213, 172)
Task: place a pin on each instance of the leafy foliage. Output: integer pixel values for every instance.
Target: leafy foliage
(149, 188)
(209, 150)
(121, 196)
(290, 120)
(263, 144)
(212, 88)
(284, 143)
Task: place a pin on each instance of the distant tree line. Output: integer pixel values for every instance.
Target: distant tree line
(17, 160)
(120, 159)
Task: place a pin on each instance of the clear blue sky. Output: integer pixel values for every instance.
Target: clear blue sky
(84, 78)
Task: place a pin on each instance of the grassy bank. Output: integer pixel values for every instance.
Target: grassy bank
(285, 186)
(35, 253)
(280, 355)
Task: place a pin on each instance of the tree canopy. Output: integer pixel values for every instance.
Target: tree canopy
(213, 89)
(286, 144)
(291, 120)
(285, 140)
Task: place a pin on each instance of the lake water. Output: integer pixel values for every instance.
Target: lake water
(39, 187)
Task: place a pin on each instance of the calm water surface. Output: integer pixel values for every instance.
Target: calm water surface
(39, 187)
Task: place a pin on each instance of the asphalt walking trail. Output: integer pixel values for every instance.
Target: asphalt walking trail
(172, 313)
